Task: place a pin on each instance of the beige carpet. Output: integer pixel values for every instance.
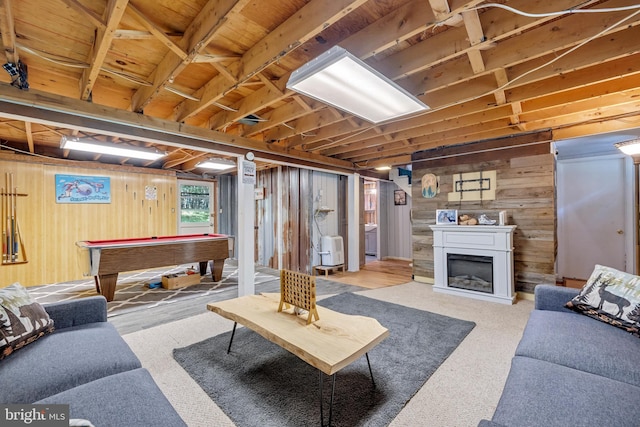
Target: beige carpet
(462, 391)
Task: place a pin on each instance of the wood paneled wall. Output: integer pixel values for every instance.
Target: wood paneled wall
(395, 231)
(525, 189)
(50, 230)
(296, 200)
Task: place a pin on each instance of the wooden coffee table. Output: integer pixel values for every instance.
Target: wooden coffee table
(328, 344)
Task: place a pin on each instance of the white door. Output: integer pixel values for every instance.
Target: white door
(196, 204)
(591, 216)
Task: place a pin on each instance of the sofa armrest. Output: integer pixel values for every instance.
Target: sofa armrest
(550, 297)
(66, 314)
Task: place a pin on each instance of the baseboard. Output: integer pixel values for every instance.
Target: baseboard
(422, 279)
(526, 296)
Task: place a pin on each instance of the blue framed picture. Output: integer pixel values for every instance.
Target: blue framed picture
(83, 189)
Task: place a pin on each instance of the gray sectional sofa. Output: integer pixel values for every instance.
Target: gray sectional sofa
(570, 370)
(86, 364)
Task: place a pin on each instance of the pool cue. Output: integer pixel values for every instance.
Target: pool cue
(10, 236)
(4, 194)
(14, 228)
(11, 219)
(7, 212)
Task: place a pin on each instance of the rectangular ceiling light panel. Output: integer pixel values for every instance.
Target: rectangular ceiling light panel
(217, 164)
(110, 149)
(344, 81)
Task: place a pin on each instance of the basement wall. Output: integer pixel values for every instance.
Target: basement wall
(50, 230)
(524, 188)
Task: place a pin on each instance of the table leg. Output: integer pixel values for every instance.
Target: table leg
(203, 267)
(216, 269)
(333, 389)
(233, 332)
(106, 283)
(370, 371)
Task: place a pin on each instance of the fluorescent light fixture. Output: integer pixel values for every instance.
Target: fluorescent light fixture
(122, 150)
(217, 164)
(344, 81)
(630, 148)
(383, 168)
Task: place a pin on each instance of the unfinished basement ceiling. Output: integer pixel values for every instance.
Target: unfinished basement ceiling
(210, 77)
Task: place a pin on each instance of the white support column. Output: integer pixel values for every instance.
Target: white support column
(246, 221)
(353, 221)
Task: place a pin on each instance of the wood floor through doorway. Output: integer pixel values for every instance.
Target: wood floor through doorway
(377, 274)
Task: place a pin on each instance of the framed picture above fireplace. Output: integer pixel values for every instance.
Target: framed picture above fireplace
(446, 216)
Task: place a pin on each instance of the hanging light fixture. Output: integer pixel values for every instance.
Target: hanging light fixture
(342, 80)
(108, 148)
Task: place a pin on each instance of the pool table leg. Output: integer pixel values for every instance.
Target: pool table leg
(216, 269)
(203, 267)
(106, 285)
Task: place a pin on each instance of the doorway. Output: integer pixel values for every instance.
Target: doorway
(196, 202)
(594, 215)
(370, 221)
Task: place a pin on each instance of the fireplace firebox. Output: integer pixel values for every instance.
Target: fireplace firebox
(470, 272)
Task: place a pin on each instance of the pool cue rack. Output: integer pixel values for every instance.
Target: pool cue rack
(13, 250)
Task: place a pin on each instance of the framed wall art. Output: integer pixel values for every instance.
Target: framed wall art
(399, 197)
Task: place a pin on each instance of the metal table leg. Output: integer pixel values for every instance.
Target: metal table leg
(234, 332)
(333, 389)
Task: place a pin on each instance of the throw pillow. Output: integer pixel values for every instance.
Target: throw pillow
(22, 321)
(611, 296)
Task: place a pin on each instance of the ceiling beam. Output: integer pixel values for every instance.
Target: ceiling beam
(197, 36)
(93, 17)
(316, 16)
(50, 109)
(102, 43)
(8, 32)
(157, 32)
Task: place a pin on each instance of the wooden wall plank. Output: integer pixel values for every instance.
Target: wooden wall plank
(524, 188)
(51, 229)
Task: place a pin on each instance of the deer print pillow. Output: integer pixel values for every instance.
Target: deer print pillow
(611, 296)
(22, 320)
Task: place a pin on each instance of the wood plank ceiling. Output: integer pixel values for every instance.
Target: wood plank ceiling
(215, 72)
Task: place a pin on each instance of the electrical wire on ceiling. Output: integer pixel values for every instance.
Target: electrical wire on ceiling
(66, 62)
(635, 7)
(182, 94)
(558, 13)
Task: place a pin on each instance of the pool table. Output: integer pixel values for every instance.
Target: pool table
(104, 259)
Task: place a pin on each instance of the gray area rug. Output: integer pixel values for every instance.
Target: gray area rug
(260, 384)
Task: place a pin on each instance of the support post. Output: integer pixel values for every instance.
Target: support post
(353, 221)
(246, 223)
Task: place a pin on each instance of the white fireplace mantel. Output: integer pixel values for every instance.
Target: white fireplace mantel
(495, 241)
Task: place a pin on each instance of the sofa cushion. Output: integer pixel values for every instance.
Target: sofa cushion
(22, 321)
(129, 399)
(611, 296)
(539, 393)
(580, 342)
(64, 359)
